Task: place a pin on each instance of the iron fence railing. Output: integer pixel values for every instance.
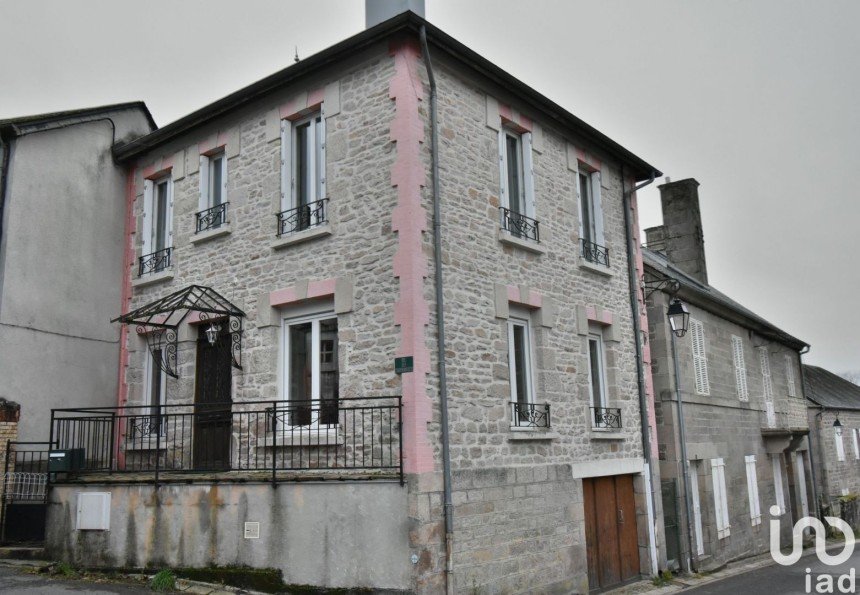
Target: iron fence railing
(212, 218)
(519, 225)
(530, 415)
(594, 252)
(25, 471)
(155, 262)
(303, 217)
(606, 418)
(336, 438)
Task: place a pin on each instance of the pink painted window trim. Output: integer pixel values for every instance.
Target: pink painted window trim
(296, 109)
(604, 317)
(292, 295)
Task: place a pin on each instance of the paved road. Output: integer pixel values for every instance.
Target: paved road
(13, 581)
(782, 580)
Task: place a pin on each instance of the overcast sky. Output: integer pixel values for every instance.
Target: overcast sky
(756, 100)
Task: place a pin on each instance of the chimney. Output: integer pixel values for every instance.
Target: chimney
(680, 237)
(377, 11)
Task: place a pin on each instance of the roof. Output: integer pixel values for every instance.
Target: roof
(36, 120)
(409, 22)
(830, 390)
(711, 299)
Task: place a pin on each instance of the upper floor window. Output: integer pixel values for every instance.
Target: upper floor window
(157, 225)
(303, 191)
(517, 185)
(740, 368)
(700, 358)
(592, 241)
(520, 365)
(213, 191)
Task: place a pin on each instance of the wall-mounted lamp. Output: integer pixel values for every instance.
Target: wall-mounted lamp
(679, 317)
(212, 333)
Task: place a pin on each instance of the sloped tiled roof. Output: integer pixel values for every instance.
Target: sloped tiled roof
(830, 390)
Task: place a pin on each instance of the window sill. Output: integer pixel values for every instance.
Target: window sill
(530, 434)
(594, 268)
(598, 434)
(505, 237)
(301, 236)
(211, 234)
(298, 438)
(159, 277)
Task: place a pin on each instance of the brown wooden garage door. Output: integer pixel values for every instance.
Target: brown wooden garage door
(610, 530)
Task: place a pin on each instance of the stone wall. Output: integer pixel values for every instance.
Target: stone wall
(835, 478)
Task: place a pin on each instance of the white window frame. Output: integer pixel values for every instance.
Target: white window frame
(206, 172)
(150, 216)
(721, 504)
(752, 487)
(603, 397)
(289, 198)
(524, 142)
(591, 194)
(740, 368)
(525, 323)
(854, 433)
(779, 492)
(840, 445)
(149, 366)
(789, 374)
(697, 507)
(700, 357)
(315, 319)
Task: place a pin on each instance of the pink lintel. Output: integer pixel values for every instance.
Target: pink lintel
(297, 106)
(212, 142)
(291, 295)
(598, 316)
(160, 167)
(514, 119)
(589, 159)
(533, 300)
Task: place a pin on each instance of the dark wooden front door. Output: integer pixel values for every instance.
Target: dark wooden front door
(610, 530)
(212, 404)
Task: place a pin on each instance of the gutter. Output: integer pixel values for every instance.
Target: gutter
(440, 321)
(6, 143)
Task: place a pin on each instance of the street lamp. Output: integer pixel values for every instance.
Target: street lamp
(212, 333)
(837, 424)
(679, 317)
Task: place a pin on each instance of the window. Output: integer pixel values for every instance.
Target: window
(854, 433)
(213, 191)
(700, 360)
(520, 364)
(721, 504)
(157, 225)
(603, 417)
(840, 447)
(776, 462)
(752, 485)
(154, 391)
(740, 368)
(517, 184)
(789, 374)
(593, 244)
(311, 370)
(303, 185)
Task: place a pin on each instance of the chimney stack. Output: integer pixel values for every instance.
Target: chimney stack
(680, 237)
(377, 11)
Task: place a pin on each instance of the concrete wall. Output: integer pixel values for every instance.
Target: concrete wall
(347, 535)
(61, 269)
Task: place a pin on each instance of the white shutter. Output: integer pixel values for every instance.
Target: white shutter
(770, 413)
(286, 164)
(503, 170)
(700, 360)
(721, 508)
(321, 164)
(597, 209)
(170, 213)
(579, 198)
(840, 447)
(203, 202)
(528, 175)
(764, 360)
(854, 433)
(740, 368)
(224, 178)
(777, 482)
(697, 509)
(752, 485)
(148, 201)
(800, 474)
(789, 373)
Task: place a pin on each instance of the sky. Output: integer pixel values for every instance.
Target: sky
(756, 100)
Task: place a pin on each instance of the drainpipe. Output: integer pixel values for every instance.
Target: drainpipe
(692, 566)
(440, 320)
(803, 386)
(633, 279)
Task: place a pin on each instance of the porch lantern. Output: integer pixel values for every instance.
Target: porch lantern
(679, 317)
(212, 333)
(837, 424)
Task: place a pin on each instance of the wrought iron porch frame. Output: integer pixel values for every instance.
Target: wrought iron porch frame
(668, 285)
(156, 321)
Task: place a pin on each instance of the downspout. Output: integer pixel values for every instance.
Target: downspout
(814, 482)
(6, 142)
(440, 320)
(634, 283)
(685, 464)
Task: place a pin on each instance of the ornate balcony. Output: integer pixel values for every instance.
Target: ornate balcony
(529, 415)
(519, 225)
(155, 262)
(594, 253)
(212, 218)
(606, 418)
(303, 217)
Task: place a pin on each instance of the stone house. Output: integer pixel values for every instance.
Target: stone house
(836, 445)
(281, 329)
(733, 408)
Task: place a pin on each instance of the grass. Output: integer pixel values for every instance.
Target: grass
(164, 580)
(662, 579)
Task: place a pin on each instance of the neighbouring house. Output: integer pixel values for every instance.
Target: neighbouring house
(61, 263)
(281, 402)
(729, 402)
(834, 423)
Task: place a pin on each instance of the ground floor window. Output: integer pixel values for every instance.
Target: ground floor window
(520, 362)
(311, 370)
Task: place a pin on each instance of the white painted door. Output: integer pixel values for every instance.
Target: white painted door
(697, 509)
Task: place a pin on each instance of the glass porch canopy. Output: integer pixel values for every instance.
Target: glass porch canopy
(159, 322)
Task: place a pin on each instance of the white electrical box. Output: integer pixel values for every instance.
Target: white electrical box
(93, 511)
(252, 530)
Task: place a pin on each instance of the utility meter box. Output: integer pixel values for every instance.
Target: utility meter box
(93, 511)
(66, 461)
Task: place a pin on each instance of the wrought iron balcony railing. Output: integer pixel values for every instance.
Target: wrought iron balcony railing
(594, 252)
(606, 418)
(273, 440)
(212, 218)
(529, 415)
(302, 217)
(155, 262)
(519, 225)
